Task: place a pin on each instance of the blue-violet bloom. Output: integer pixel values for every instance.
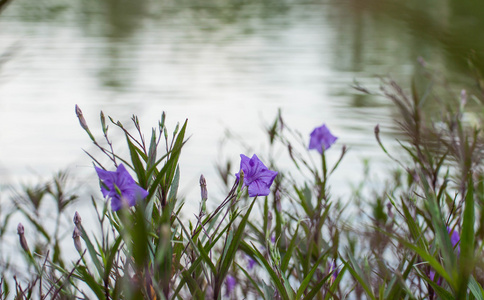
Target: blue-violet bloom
(321, 139)
(333, 268)
(120, 187)
(256, 176)
(230, 283)
(250, 263)
(432, 277)
(454, 238)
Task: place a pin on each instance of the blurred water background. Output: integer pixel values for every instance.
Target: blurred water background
(226, 65)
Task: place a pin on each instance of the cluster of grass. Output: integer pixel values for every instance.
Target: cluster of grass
(418, 237)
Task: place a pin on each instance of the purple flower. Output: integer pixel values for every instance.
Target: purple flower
(321, 139)
(454, 238)
(250, 263)
(332, 268)
(256, 176)
(432, 277)
(230, 283)
(120, 187)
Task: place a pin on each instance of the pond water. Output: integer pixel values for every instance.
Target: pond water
(224, 65)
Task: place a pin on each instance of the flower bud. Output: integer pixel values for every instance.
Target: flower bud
(241, 181)
(77, 220)
(421, 61)
(277, 201)
(230, 284)
(389, 207)
(269, 220)
(80, 116)
(463, 98)
(83, 122)
(203, 188)
(103, 122)
(23, 241)
(76, 236)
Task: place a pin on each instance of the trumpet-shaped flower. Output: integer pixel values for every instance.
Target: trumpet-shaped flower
(120, 187)
(257, 177)
(321, 139)
(454, 239)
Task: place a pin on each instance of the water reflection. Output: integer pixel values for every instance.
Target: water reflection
(447, 30)
(222, 64)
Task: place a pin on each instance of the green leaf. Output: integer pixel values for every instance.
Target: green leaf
(174, 187)
(394, 289)
(290, 249)
(440, 291)
(443, 239)
(357, 273)
(263, 262)
(138, 166)
(308, 278)
(92, 252)
(254, 284)
(333, 287)
(476, 289)
(233, 247)
(152, 150)
(138, 237)
(113, 251)
(91, 282)
(466, 263)
(413, 227)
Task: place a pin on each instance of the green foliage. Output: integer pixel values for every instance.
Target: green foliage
(300, 242)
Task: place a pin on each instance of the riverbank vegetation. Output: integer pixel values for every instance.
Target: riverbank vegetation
(278, 234)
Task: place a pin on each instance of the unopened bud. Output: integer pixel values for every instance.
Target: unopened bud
(377, 133)
(80, 116)
(269, 221)
(389, 207)
(77, 220)
(421, 61)
(83, 122)
(76, 236)
(23, 241)
(203, 188)
(274, 253)
(277, 201)
(241, 181)
(103, 122)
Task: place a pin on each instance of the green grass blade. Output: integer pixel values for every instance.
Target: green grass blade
(233, 246)
(466, 263)
(357, 273)
(308, 278)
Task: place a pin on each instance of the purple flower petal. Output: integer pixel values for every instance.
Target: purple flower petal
(258, 188)
(454, 238)
(321, 138)
(432, 277)
(333, 268)
(230, 283)
(250, 263)
(120, 187)
(256, 176)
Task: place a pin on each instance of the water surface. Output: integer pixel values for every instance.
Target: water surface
(224, 65)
